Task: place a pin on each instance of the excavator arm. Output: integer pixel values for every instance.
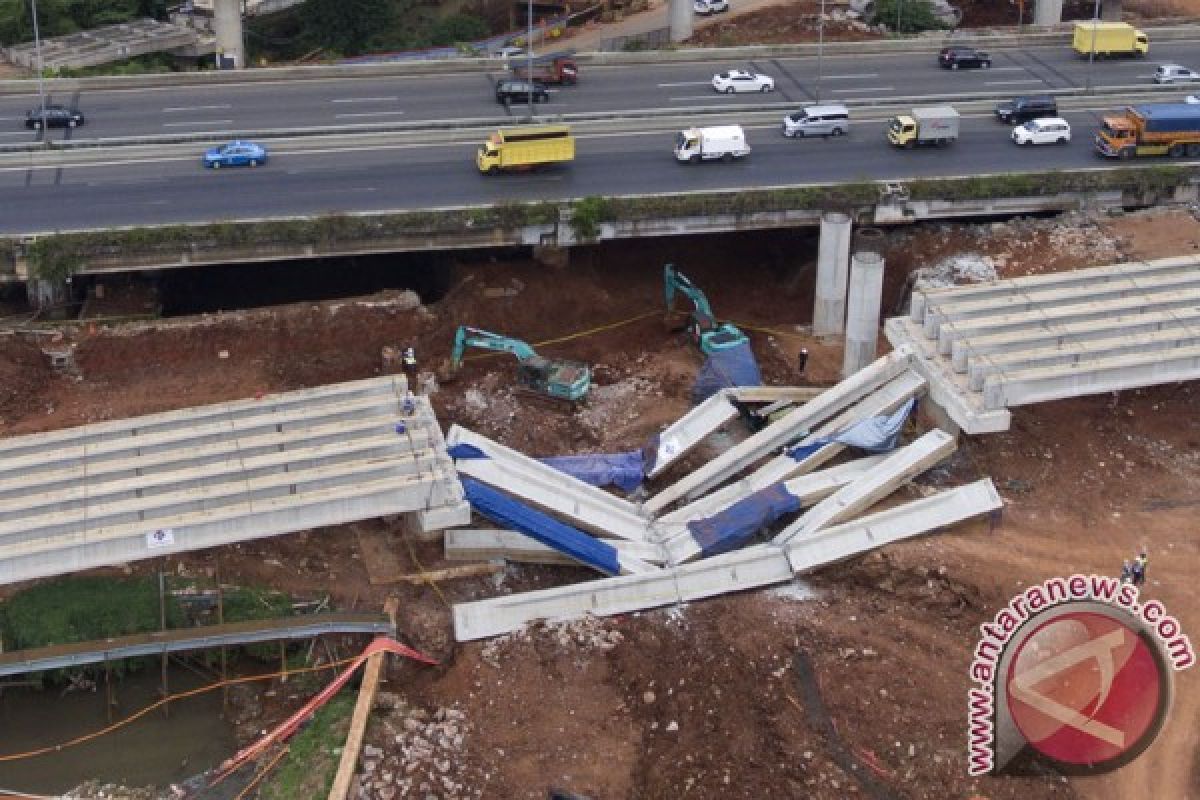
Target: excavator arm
(484, 340)
(674, 281)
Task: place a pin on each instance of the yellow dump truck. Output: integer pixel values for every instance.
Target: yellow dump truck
(1109, 39)
(525, 148)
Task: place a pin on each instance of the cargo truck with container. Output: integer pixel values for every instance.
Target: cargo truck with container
(1154, 129)
(554, 68)
(525, 148)
(928, 125)
(1107, 39)
(724, 142)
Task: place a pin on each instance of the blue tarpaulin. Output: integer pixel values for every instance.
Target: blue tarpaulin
(724, 368)
(731, 528)
(465, 451)
(515, 515)
(874, 435)
(623, 470)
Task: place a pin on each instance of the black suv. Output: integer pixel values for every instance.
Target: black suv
(53, 117)
(963, 58)
(1027, 107)
(518, 91)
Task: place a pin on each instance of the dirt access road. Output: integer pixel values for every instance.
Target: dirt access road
(858, 690)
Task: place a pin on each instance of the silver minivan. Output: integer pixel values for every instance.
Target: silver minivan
(833, 120)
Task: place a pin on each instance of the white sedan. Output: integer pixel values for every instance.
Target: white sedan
(1173, 73)
(706, 7)
(1192, 98)
(741, 80)
(1047, 130)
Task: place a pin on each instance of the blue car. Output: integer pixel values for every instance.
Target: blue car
(236, 154)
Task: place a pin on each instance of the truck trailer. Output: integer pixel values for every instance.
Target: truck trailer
(1154, 129)
(556, 68)
(525, 148)
(1109, 39)
(725, 142)
(928, 125)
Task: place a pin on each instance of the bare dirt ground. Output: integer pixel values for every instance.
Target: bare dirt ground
(707, 701)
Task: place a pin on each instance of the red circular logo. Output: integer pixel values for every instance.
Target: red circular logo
(1087, 689)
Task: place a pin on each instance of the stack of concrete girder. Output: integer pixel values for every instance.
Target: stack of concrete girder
(151, 486)
(988, 347)
(655, 532)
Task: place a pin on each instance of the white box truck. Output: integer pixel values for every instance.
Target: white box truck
(930, 125)
(725, 142)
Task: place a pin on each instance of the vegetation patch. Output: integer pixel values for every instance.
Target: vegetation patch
(311, 763)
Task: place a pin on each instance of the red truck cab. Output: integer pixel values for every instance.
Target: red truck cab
(555, 68)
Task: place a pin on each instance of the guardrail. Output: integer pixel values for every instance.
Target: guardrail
(635, 119)
(993, 39)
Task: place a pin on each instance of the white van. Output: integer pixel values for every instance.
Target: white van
(725, 142)
(832, 120)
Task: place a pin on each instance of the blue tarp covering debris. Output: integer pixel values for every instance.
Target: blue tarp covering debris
(515, 515)
(465, 451)
(874, 435)
(724, 368)
(623, 470)
(733, 527)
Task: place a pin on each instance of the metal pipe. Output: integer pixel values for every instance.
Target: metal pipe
(820, 50)
(1092, 53)
(37, 46)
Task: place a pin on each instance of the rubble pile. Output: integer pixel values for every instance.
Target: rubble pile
(420, 755)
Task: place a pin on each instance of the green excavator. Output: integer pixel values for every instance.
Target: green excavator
(702, 325)
(557, 379)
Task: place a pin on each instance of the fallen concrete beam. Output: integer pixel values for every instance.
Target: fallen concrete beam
(678, 438)
(885, 400)
(548, 489)
(951, 332)
(484, 545)
(1181, 319)
(947, 296)
(924, 515)
(881, 480)
(784, 431)
(774, 394)
(748, 568)
(1119, 373)
(1079, 355)
(1145, 288)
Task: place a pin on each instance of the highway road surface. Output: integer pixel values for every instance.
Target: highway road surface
(315, 178)
(366, 100)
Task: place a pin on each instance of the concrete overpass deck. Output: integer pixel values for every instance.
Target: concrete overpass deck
(987, 348)
(183, 480)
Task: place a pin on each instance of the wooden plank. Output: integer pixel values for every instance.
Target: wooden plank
(362, 711)
(449, 573)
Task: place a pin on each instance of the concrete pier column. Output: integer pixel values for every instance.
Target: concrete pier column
(862, 313)
(1047, 12)
(1111, 10)
(833, 268)
(227, 23)
(680, 18)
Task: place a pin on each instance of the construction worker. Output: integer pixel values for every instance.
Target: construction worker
(1139, 568)
(408, 362)
(802, 361)
(1126, 571)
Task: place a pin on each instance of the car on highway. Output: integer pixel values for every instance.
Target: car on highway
(521, 91)
(1192, 98)
(235, 154)
(963, 58)
(830, 120)
(742, 80)
(1173, 73)
(707, 7)
(1047, 130)
(53, 117)
(1026, 107)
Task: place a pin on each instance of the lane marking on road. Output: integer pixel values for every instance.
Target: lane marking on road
(179, 109)
(1013, 83)
(851, 77)
(752, 96)
(198, 122)
(684, 83)
(871, 89)
(369, 114)
(1006, 69)
(16, 133)
(365, 99)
